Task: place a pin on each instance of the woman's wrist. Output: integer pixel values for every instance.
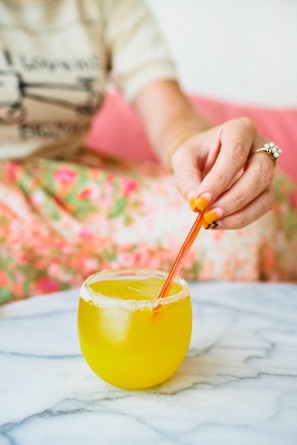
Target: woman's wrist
(175, 144)
(167, 114)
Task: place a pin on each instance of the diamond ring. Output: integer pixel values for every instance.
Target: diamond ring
(271, 150)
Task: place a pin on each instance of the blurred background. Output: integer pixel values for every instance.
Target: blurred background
(222, 50)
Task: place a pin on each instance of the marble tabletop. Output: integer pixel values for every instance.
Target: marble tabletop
(238, 384)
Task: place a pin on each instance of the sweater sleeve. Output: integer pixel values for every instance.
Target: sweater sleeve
(137, 52)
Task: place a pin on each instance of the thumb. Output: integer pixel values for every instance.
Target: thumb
(187, 175)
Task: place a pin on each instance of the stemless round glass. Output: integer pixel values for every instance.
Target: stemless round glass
(134, 343)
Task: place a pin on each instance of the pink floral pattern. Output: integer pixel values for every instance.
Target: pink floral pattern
(61, 221)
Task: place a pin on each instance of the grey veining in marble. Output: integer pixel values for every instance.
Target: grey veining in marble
(238, 384)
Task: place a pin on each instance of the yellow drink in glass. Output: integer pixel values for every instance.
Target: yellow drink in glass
(128, 337)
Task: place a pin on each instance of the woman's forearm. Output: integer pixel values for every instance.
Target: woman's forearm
(167, 114)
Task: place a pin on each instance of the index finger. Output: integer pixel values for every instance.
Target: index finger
(236, 142)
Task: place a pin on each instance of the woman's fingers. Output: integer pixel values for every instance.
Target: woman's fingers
(254, 210)
(236, 142)
(186, 171)
(254, 181)
(219, 172)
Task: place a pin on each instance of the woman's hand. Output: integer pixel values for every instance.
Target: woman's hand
(218, 170)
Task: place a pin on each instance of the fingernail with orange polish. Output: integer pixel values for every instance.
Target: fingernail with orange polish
(205, 224)
(213, 225)
(198, 204)
(213, 214)
(203, 200)
(192, 201)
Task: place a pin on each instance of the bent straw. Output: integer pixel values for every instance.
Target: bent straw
(182, 254)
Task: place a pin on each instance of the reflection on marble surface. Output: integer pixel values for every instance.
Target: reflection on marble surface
(238, 384)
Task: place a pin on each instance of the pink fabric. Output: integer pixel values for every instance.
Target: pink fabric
(117, 129)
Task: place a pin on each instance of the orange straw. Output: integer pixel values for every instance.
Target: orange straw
(182, 254)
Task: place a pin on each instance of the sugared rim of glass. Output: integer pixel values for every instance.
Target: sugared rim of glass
(102, 300)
